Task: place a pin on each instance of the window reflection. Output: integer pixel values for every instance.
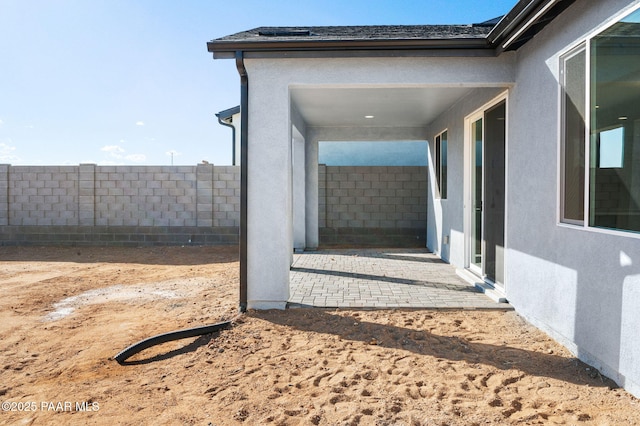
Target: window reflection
(611, 148)
(614, 180)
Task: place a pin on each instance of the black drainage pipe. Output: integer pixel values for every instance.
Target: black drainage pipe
(122, 356)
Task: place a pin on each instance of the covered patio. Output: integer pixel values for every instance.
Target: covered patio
(381, 278)
(290, 104)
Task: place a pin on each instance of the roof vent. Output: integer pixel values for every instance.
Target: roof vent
(276, 32)
(489, 23)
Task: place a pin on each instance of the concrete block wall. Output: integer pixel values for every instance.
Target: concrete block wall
(226, 196)
(145, 196)
(119, 204)
(373, 197)
(42, 196)
(322, 196)
(373, 204)
(4, 194)
(90, 204)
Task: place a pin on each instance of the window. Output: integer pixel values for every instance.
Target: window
(601, 129)
(573, 106)
(441, 165)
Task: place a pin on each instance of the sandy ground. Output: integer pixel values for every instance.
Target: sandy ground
(65, 312)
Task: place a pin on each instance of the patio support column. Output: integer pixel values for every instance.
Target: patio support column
(269, 196)
(311, 180)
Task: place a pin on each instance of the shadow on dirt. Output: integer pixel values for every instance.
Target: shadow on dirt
(165, 255)
(451, 348)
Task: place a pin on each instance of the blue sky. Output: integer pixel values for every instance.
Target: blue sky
(129, 81)
(408, 153)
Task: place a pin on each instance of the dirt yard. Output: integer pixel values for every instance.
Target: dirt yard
(65, 312)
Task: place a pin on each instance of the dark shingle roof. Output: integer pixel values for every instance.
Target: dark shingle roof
(399, 37)
(359, 33)
(510, 32)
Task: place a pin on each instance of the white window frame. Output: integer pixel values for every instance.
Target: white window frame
(563, 58)
(586, 41)
(437, 162)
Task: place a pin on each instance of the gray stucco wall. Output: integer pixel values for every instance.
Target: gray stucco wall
(569, 281)
(119, 204)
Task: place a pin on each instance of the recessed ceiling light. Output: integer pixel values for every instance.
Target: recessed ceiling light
(622, 117)
(368, 116)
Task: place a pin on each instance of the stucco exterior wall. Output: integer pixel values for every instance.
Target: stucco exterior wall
(568, 281)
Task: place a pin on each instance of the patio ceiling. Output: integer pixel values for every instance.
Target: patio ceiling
(389, 106)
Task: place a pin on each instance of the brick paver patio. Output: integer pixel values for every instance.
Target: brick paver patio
(381, 278)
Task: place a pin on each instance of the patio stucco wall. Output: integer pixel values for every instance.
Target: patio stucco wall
(568, 280)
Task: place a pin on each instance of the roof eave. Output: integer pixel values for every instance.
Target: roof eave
(227, 113)
(226, 48)
(524, 20)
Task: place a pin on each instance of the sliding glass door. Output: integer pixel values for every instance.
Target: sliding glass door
(494, 191)
(487, 193)
(477, 138)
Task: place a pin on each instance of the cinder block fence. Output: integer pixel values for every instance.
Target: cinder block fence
(383, 206)
(119, 205)
(165, 205)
